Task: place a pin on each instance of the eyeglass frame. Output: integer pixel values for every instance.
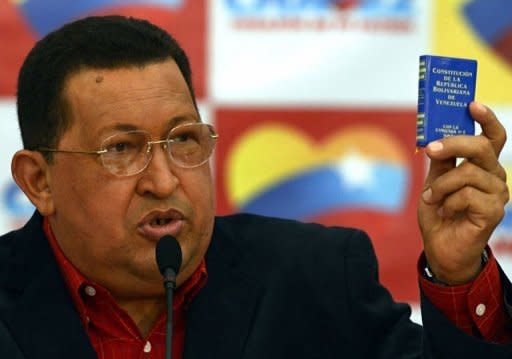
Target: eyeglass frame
(149, 147)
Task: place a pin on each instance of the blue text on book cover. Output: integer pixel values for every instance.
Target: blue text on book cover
(446, 87)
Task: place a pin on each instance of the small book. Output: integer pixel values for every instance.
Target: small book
(446, 87)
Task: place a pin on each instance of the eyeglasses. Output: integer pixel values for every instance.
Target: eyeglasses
(128, 153)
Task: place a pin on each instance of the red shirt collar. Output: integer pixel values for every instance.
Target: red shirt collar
(76, 281)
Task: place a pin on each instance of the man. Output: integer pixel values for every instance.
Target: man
(115, 156)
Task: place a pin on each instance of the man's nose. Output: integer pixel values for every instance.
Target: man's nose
(158, 179)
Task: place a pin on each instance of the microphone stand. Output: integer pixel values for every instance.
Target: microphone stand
(169, 285)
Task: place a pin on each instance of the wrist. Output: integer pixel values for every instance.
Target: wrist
(452, 279)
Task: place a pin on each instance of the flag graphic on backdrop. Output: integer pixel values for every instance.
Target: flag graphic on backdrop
(479, 29)
(46, 16)
(22, 22)
(492, 21)
(350, 170)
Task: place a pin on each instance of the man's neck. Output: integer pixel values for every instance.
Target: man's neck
(144, 313)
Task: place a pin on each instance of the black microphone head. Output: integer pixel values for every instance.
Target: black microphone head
(168, 254)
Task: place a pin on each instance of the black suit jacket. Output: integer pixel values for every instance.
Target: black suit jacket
(276, 289)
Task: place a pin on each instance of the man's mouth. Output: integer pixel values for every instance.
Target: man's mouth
(158, 224)
(160, 221)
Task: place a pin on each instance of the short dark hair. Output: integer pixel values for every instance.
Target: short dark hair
(102, 42)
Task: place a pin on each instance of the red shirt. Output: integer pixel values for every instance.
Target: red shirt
(477, 308)
(112, 332)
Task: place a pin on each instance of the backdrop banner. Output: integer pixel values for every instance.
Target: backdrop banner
(314, 101)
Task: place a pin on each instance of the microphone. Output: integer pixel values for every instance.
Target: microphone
(168, 259)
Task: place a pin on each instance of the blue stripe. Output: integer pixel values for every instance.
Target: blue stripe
(324, 189)
(489, 18)
(47, 15)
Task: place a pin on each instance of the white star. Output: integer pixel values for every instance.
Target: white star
(356, 171)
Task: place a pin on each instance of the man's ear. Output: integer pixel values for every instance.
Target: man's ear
(31, 172)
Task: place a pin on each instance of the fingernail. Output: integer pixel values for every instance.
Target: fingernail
(427, 195)
(481, 108)
(435, 146)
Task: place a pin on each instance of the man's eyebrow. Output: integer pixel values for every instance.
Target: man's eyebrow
(175, 121)
(118, 127)
(124, 127)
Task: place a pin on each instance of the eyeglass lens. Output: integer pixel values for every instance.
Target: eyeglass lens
(129, 153)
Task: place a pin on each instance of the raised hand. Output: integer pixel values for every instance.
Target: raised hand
(462, 205)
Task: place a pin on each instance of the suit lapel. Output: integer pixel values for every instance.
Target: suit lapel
(220, 318)
(43, 321)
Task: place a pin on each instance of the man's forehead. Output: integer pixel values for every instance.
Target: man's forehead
(165, 76)
(127, 94)
(106, 88)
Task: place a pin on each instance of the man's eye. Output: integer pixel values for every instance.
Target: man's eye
(181, 138)
(185, 137)
(119, 147)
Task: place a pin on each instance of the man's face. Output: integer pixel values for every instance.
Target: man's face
(108, 225)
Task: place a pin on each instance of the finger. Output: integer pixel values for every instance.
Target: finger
(491, 126)
(466, 174)
(477, 149)
(438, 168)
(483, 209)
